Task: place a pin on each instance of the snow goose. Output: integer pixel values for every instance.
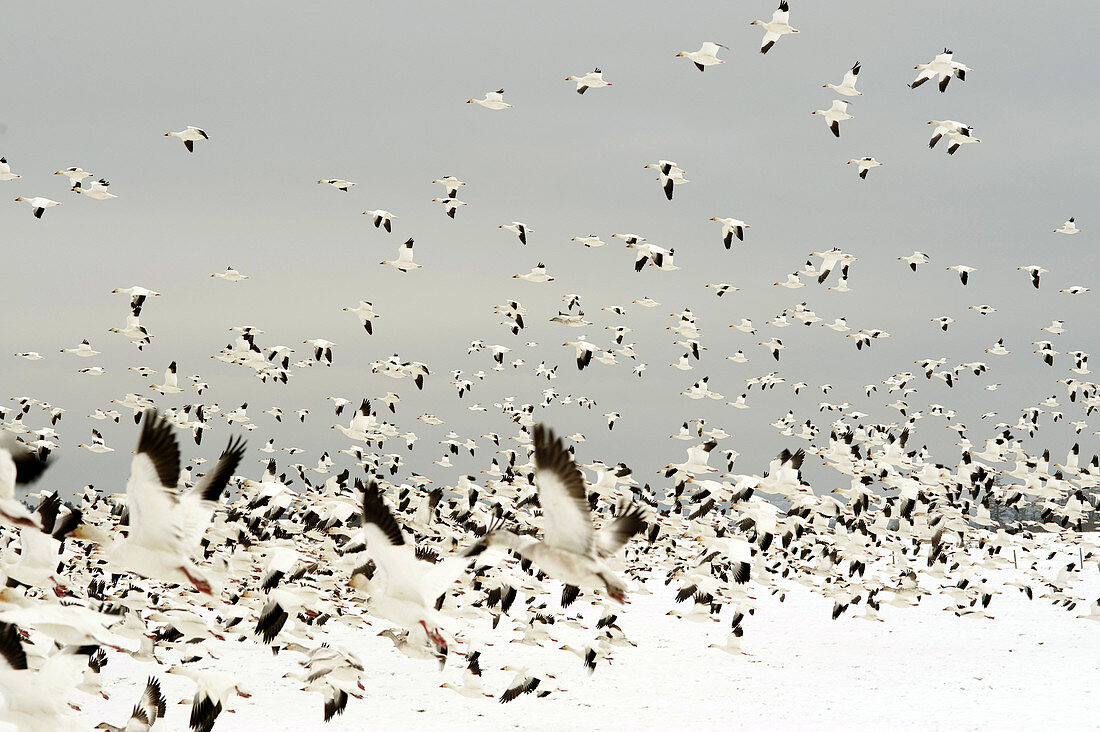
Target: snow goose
(74, 174)
(213, 690)
(963, 270)
(847, 86)
(189, 136)
(171, 381)
(37, 700)
(5, 171)
(97, 445)
(915, 259)
(382, 219)
(537, 274)
(365, 312)
(38, 204)
(1034, 271)
(1070, 227)
(707, 55)
(410, 583)
(589, 241)
(151, 707)
(572, 551)
(96, 189)
(230, 275)
(404, 261)
(591, 80)
(865, 165)
(36, 356)
(137, 295)
(84, 350)
(519, 229)
(493, 100)
(947, 126)
(1072, 290)
(18, 465)
(834, 115)
(165, 528)
(730, 229)
(451, 183)
(775, 28)
(958, 139)
(450, 205)
(941, 66)
(791, 283)
(338, 183)
(670, 175)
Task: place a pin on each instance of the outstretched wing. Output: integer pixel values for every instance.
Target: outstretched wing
(562, 494)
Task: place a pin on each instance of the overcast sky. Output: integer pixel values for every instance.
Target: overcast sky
(374, 93)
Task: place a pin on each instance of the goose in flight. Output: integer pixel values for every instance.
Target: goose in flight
(37, 700)
(589, 241)
(730, 229)
(572, 551)
(151, 707)
(591, 80)
(404, 261)
(382, 219)
(669, 174)
(777, 27)
(963, 270)
(493, 100)
(74, 174)
(19, 465)
(338, 183)
(84, 350)
(96, 189)
(450, 205)
(847, 86)
(365, 312)
(5, 171)
(915, 259)
(707, 55)
(945, 127)
(230, 275)
(942, 66)
(189, 136)
(411, 583)
(38, 204)
(958, 139)
(519, 229)
(537, 274)
(165, 527)
(1034, 271)
(865, 165)
(1070, 227)
(451, 183)
(834, 115)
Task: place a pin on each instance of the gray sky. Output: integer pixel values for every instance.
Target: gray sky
(291, 93)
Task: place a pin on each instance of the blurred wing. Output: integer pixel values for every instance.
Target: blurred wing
(562, 494)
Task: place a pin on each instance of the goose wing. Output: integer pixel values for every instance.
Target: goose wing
(151, 487)
(199, 503)
(562, 494)
(614, 536)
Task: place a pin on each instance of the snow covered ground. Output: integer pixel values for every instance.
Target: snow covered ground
(1031, 666)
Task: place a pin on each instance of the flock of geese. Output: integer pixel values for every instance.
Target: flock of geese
(178, 564)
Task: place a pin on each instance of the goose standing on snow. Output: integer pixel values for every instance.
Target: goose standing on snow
(519, 229)
(865, 164)
(382, 219)
(189, 136)
(5, 171)
(38, 204)
(847, 86)
(707, 55)
(730, 229)
(572, 551)
(591, 80)
(834, 115)
(404, 261)
(493, 100)
(776, 27)
(1070, 227)
(165, 527)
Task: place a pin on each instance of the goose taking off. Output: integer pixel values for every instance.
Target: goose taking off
(847, 86)
(591, 80)
(572, 551)
(189, 136)
(776, 27)
(707, 55)
(834, 115)
(493, 100)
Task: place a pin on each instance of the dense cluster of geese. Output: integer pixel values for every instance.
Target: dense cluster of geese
(181, 562)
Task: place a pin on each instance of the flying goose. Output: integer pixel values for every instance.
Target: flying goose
(451, 183)
(707, 55)
(165, 527)
(1070, 227)
(834, 115)
(945, 127)
(865, 164)
(382, 219)
(519, 229)
(97, 189)
(189, 136)
(338, 183)
(847, 86)
(591, 80)
(404, 261)
(37, 700)
(775, 28)
(730, 229)
(19, 465)
(38, 204)
(572, 551)
(151, 707)
(365, 312)
(537, 274)
(449, 205)
(493, 100)
(5, 171)
(670, 175)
